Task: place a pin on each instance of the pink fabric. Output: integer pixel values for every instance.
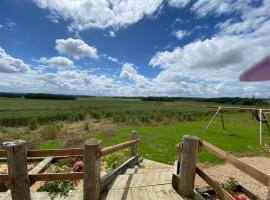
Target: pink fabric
(258, 72)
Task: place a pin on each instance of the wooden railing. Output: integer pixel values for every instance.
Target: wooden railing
(186, 168)
(19, 179)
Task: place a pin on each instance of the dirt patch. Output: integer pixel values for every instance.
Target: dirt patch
(221, 173)
(74, 143)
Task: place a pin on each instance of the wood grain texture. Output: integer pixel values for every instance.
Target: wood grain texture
(17, 169)
(188, 165)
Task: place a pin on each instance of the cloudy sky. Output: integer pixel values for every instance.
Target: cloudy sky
(133, 47)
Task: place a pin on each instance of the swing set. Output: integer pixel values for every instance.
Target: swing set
(256, 113)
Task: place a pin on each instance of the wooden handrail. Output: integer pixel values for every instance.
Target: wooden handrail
(74, 151)
(108, 150)
(222, 193)
(56, 176)
(251, 171)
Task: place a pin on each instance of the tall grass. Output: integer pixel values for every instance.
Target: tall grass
(18, 112)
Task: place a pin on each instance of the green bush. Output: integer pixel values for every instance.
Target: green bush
(58, 187)
(87, 126)
(51, 131)
(33, 124)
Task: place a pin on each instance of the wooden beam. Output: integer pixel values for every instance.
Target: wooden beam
(188, 166)
(251, 171)
(222, 193)
(210, 123)
(40, 167)
(17, 169)
(56, 176)
(51, 152)
(91, 180)
(108, 150)
(134, 136)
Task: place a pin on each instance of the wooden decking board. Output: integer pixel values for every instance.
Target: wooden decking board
(147, 170)
(139, 180)
(148, 181)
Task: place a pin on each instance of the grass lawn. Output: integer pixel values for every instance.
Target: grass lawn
(158, 142)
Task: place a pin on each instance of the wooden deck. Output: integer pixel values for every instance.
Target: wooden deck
(148, 181)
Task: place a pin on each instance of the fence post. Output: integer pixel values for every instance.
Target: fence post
(134, 136)
(268, 192)
(188, 166)
(17, 169)
(91, 184)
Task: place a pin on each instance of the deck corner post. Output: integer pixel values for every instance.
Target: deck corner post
(188, 166)
(91, 180)
(17, 169)
(134, 136)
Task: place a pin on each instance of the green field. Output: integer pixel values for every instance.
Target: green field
(161, 125)
(20, 111)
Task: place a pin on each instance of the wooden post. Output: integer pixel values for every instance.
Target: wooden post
(222, 119)
(91, 184)
(210, 123)
(188, 166)
(268, 193)
(179, 157)
(261, 136)
(134, 136)
(17, 169)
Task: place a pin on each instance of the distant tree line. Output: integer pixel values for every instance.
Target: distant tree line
(37, 96)
(220, 100)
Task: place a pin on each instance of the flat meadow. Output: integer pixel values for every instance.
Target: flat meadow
(48, 124)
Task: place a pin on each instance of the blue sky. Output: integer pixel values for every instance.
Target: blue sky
(133, 48)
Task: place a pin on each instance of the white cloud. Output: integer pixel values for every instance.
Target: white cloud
(85, 14)
(206, 7)
(180, 34)
(9, 64)
(251, 20)
(112, 34)
(53, 18)
(178, 3)
(10, 23)
(57, 61)
(1, 25)
(112, 59)
(75, 48)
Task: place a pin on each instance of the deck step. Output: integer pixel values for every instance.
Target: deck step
(147, 170)
(150, 164)
(138, 180)
(155, 192)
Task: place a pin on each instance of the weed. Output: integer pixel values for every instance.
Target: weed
(230, 185)
(51, 131)
(33, 124)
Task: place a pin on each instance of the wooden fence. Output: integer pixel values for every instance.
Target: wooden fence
(186, 168)
(19, 179)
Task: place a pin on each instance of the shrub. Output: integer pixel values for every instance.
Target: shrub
(86, 126)
(58, 187)
(230, 185)
(51, 131)
(33, 124)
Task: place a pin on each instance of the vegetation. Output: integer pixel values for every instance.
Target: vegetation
(158, 142)
(161, 125)
(58, 187)
(230, 185)
(19, 112)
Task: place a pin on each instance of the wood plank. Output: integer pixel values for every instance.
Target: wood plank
(108, 150)
(251, 171)
(56, 176)
(111, 176)
(139, 180)
(223, 194)
(40, 167)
